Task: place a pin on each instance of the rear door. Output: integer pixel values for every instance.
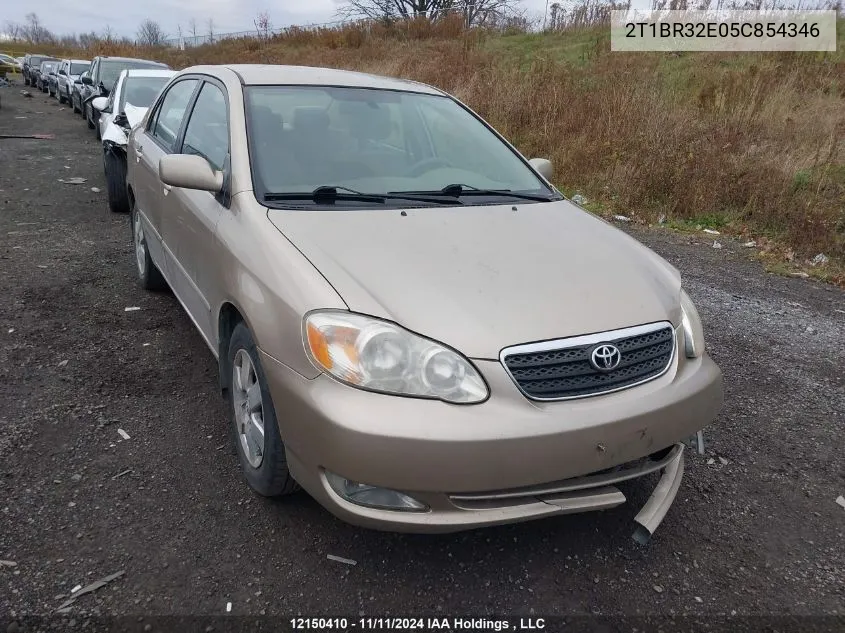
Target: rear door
(189, 217)
(147, 146)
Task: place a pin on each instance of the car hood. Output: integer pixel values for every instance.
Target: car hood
(134, 114)
(481, 278)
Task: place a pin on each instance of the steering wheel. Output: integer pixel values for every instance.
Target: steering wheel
(426, 165)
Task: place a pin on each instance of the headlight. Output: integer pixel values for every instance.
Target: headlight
(380, 356)
(691, 324)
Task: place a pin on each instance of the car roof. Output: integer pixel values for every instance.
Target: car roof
(149, 72)
(265, 74)
(78, 61)
(128, 59)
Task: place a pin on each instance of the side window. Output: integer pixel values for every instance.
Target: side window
(207, 134)
(171, 112)
(94, 69)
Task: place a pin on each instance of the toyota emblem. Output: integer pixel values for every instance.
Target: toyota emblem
(606, 357)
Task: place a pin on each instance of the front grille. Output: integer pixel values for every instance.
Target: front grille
(562, 369)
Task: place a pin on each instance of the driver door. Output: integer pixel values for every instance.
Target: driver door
(146, 147)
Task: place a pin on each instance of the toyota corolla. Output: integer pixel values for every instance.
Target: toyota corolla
(410, 321)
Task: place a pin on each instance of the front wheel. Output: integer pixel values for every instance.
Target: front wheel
(62, 99)
(149, 275)
(115, 168)
(256, 430)
(88, 116)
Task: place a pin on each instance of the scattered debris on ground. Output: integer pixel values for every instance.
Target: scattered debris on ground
(750, 244)
(717, 245)
(95, 189)
(76, 180)
(11, 563)
(97, 584)
(712, 232)
(40, 137)
(819, 260)
(123, 434)
(131, 309)
(621, 218)
(340, 559)
(840, 500)
(579, 199)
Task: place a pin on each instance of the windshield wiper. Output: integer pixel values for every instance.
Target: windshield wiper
(330, 194)
(458, 190)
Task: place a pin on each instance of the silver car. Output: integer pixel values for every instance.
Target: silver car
(410, 322)
(69, 72)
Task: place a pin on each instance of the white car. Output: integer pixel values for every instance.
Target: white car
(125, 107)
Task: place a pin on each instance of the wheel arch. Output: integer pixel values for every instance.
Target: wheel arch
(228, 318)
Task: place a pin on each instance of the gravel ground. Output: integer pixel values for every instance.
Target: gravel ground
(755, 528)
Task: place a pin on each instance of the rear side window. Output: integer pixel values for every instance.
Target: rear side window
(168, 120)
(207, 133)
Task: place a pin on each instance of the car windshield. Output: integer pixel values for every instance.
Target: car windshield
(79, 68)
(35, 61)
(110, 71)
(48, 66)
(375, 142)
(141, 91)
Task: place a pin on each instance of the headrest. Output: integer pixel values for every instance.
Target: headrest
(267, 120)
(310, 118)
(367, 120)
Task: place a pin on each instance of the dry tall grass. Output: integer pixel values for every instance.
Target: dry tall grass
(749, 141)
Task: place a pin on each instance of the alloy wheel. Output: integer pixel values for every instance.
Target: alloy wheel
(248, 407)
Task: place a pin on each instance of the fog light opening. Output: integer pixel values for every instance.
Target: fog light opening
(373, 496)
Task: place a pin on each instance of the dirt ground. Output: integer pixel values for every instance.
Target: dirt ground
(755, 529)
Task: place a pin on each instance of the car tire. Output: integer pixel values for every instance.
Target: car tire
(115, 168)
(149, 275)
(60, 97)
(88, 120)
(25, 80)
(265, 468)
(73, 105)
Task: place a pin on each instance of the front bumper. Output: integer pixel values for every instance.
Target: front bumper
(444, 454)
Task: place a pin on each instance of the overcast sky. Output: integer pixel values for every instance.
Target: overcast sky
(72, 16)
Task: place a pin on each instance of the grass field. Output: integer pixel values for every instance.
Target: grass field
(751, 144)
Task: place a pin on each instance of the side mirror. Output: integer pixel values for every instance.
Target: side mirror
(544, 167)
(189, 172)
(86, 80)
(62, 72)
(100, 103)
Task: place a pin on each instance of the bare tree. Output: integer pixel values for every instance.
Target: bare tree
(475, 12)
(34, 31)
(13, 30)
(210, 25)
(108, 33)
(263, 25)
(192, 27)
(150, 33)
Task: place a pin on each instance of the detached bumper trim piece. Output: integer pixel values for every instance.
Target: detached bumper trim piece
(658, 504)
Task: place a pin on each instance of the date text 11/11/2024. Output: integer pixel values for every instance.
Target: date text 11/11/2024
(417, 624)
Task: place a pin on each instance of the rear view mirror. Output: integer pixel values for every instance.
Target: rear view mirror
(189, 172)
(544, 167)
(100, 103)
(62, 72)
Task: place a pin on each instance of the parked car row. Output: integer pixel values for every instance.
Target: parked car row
(110, 93)
(410, 321)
